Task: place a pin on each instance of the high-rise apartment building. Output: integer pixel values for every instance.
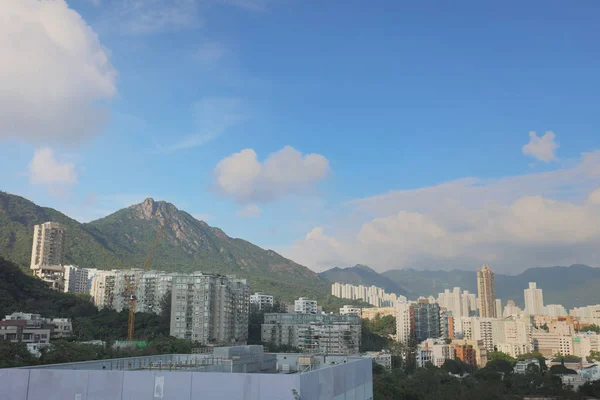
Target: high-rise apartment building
(209, 308)
(370, 294)
(555, 310)
(486, 292)
(460, 304)
(534, 300)
(498, 305)
(511, 309)
(47, 253)
(426, 320)
(328, 333)
(261, 301)
(76, 279)
(108, 288)
(405, 322)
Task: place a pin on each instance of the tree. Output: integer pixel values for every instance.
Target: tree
(500, 365)
(456, 367)
(498, 355)
(13, 355)
(590, 328)
(591, 389)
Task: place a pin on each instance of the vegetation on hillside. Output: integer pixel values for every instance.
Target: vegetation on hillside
(124, 238)
(21, 292)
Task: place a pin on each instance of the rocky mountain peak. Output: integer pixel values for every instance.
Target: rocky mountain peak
(149, 209)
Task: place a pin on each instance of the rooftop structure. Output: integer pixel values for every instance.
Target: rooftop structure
(246, 372)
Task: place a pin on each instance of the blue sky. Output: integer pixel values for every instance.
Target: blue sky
(112, 101)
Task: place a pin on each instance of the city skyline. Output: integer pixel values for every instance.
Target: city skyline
(328, 162)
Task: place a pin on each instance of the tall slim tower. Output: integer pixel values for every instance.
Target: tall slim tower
(534, 300)
(47, 253)
(487, 292)
(48, 244)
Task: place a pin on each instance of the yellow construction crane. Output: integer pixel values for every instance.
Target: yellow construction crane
(131, 289)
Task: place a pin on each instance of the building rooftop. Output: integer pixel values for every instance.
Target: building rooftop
(193, 376)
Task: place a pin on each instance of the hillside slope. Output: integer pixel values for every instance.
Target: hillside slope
(124, 238)
(84, 245)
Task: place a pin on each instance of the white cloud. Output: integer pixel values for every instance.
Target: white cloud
(54, 73)
(539, 219)
(250, 211)
(542, 148)
(247, 180)
(44, 169)
(212, 117)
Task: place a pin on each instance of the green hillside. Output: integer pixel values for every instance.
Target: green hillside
(124, 238)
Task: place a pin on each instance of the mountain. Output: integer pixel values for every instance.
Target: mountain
(363, 275)
(124, 238)
(572, 286)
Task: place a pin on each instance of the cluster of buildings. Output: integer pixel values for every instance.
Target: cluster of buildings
(34, 330)
(369, 294)
(312, 331)
(459, 324)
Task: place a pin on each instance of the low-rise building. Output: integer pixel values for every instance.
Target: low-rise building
(350, 310)
(478, 351)
(32, 328)
(328, 333)
(372, 313)
(550, 344)
(522, 365)
(19, 331)
(435, 351)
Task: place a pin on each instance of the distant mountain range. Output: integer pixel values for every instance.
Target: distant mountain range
(124, 238)
(574, 286)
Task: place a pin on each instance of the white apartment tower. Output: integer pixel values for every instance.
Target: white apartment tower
(498, 305)
(261, 301)
(305, 306)
(210, 309)
(404, 322)
(47, 253)
(534, 300)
